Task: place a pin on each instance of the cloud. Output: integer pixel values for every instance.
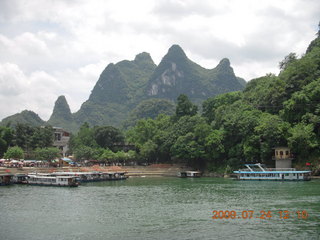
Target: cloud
(12, 80)
(39, 90)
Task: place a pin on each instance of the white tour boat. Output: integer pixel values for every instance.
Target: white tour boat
(47, 180)
(259, 172)
(93, 176)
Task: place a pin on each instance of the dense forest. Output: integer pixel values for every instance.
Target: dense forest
(231, 129)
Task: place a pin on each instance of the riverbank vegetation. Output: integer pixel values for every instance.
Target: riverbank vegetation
(229, 130)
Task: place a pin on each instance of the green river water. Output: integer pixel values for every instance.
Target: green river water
(161, 208)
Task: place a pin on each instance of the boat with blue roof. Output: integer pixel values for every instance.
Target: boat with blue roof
(283, 170)
(260, 172)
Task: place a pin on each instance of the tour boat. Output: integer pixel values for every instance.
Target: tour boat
(46, 180)
(259, 172)
(93, 176)
(191, 174)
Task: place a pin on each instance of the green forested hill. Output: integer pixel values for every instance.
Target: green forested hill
(272, 111)
(25, 117)
(241, 127)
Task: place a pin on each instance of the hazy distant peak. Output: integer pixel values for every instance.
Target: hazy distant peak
(225, 62)
(61, 109)
(62, 99)
(176, 51)
(143, 57)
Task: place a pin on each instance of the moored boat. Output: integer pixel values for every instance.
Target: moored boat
(46, 180)
(93, 176)
(190, 174)
(259, 172)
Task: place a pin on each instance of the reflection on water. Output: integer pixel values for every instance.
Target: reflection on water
(160, 208)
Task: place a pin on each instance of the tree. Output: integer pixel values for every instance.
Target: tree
(6, 136)
(270, 132)
(14, 153)
(143, 131)
(84, 138)
(302, 140)
(148, 150)
(48, 153)
(211, 104)
(185, 107)
(108, 136)
(23, 133)
(187, 148)
(306, 101)
(42, 137)
(215, 144)
(290, 58)
(87, 153)
(107, 155)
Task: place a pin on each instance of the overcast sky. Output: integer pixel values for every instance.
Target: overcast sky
(50, 48)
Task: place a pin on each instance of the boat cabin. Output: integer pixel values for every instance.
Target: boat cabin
(43, 180)
(20, 178)
(93, 176)
(189, 174)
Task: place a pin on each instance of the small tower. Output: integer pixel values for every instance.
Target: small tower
(283, 157)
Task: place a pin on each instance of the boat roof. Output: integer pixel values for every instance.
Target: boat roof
(267, 172)
(254, 164)
(191, 171)
(37, 176)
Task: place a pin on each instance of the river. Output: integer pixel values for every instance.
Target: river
(162, 208)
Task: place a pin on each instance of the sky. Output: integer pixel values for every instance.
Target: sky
(50, 48)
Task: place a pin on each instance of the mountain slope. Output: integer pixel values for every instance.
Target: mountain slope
(25, 117)
(119, 88)
(176, 74)
(61, 115)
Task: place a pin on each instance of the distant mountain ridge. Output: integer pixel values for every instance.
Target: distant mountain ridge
(25, 117)
(176, 74)
(126, 85)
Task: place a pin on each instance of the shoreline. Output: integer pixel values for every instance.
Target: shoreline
(155, 170)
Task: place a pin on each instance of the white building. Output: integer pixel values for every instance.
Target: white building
(61, 140)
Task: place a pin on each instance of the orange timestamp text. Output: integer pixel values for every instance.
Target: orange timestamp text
(250, 214)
